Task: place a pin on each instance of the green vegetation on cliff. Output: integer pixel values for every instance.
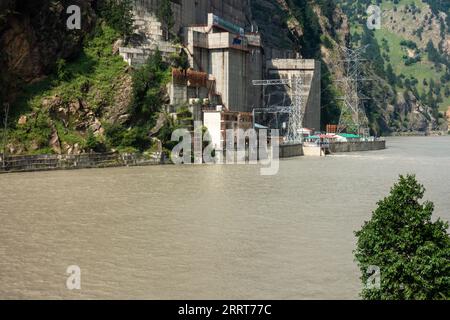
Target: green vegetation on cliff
(148, 94)
(91, 101)
(117, 15)
(87, 82)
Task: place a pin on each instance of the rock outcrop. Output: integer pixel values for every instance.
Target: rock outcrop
(33, 36)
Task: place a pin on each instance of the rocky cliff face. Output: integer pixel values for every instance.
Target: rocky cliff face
(33, 36)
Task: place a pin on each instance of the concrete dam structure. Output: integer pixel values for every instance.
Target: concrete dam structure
(225, 55)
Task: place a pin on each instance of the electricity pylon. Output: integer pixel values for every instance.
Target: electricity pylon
(353, 111)
(296, 109)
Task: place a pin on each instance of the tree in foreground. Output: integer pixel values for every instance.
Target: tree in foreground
(411, 251)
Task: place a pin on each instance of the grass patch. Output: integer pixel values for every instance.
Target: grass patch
(387, 5)
(422, 70)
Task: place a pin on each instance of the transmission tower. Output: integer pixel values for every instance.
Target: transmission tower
(296, 109)
(353, 111)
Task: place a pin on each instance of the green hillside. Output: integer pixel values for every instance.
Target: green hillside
(411, 50)
(423, 70)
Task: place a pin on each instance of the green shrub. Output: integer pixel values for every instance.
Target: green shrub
(184, 113)
(114, 134)
(326, 41)
(409, 44)
(61, 70)
(119, 137)
(93, 144)
(118, 15)
(165, 134)
(179, 60)
(165, 15)
(148, 88)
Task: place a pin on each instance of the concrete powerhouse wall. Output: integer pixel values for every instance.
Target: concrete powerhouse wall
(238, 81)
(194, 12)
(309, 71)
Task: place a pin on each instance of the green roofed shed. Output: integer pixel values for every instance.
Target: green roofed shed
(349, 135)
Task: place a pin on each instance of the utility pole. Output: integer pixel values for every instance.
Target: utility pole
(5, 133)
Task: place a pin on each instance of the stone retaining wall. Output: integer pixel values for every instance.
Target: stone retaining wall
(55, 162)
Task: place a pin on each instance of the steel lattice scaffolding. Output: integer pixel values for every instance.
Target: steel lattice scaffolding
(296, 109)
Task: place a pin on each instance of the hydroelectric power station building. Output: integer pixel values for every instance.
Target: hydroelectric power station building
(226, 54)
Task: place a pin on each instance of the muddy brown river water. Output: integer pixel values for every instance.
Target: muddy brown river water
(204, 232)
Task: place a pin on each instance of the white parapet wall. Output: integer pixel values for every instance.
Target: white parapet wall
(136, 56)
(212, 120)
(313, 151)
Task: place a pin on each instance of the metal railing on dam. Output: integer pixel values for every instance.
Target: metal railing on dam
(89, 160)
